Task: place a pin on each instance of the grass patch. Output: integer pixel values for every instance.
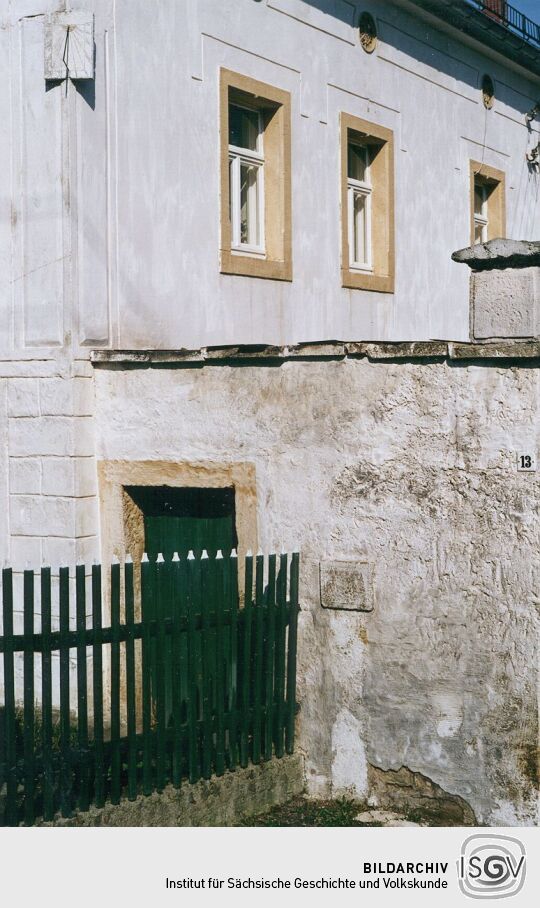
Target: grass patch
(306, 812)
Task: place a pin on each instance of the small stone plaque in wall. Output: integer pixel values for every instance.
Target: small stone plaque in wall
(346, 585)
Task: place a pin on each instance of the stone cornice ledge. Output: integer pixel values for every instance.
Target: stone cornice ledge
(498, 254)
(329, 350)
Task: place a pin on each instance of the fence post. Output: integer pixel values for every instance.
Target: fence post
(146, 670)
(258, 657)
(66, 781)
(46, 696)
(246, 662)
(291, 654)
(97, 678)
(28, 702)
(194, 666)
(221, 594)
(207, 660)
(115, 683)
(270, 645)
(11, 814)
(160, 611)
(280, 652)
(180, 689)
(130, 679)
(82, 697)
(232, 600)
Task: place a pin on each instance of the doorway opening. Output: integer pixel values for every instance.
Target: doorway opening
(183, 519)
(180, 519)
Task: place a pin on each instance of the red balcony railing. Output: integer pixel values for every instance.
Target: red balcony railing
(510, 17)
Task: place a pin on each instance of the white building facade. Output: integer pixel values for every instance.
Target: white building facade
(225, 236)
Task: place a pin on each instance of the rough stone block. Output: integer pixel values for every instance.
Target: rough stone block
(25, 476)
(33, 515)
(69, 476)
(346, 585)
(87, 550)
(66, 396)
(56, 396)
(58, 476)
(86, 516)
(50, 435)
(83, 436)
(85, 476)
(505, 303)
(59, 551)
(47, 435)
(83, 396)
(23, 397)
(222, 801)
(25, 551)
(500, 253)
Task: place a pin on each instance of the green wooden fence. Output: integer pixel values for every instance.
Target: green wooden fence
(194, 674)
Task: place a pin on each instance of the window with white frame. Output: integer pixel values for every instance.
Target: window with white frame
(367, 205)
(487, 202)
(246, 179)
(255, 178)
(481, 223)
(359, 190)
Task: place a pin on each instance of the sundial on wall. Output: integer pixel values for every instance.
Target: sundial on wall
(69, 46)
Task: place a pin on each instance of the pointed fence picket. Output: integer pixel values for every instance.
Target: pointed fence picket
(185, 681)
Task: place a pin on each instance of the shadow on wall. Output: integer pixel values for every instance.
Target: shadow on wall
(392, 29)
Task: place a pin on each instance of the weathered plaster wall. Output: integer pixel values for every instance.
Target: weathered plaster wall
(410, 467)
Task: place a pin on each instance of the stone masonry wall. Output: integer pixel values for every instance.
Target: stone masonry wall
(51, 507)
(48, 483)
(407, 469)
(219, 801)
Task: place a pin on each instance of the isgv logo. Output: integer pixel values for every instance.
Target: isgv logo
(491, 866)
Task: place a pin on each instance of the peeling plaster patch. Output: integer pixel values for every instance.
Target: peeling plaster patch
(349, 764)
(450, 711)
(507, 815)
(447, 728)
(406, 790)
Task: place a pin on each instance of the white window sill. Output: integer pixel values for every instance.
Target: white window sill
(250, 251)
(362, 269)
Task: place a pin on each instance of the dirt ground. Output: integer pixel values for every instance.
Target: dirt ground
(340, 812)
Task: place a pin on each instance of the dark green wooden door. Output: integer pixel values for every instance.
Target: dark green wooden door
(180, 520)
(177, 520)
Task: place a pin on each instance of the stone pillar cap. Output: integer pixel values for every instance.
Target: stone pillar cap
(500, 253)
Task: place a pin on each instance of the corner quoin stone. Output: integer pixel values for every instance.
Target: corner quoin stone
(505, 303)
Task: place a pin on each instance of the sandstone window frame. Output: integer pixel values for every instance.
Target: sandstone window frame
(274, 261)
(493, 217)
(380, 276)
